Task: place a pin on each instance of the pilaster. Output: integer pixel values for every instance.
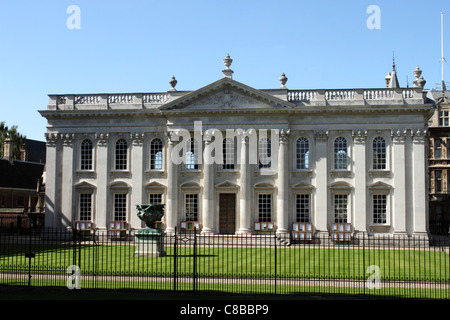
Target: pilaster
(361, 211)
(52, 177)
(283, 180)
(172, 187)
(208, 211)
(320, 220)
(67, 204)
(102, 141)
(137, 160)
(399, 168)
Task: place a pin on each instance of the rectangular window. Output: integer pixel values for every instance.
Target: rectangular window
(340, 208)
(120, 206)
(155, 198)
(85, 207)
(191, 206)
(437, 148)
(443, 119)
(228, 154)
(302, 206)
(264, 207)
(379, 208)
(438, 181)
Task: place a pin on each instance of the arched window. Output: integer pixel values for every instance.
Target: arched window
(340, 153)
(86, 155)
(264, 153)
(192, 155)
(228, 154)
(302, 153)
(121, 154)
(156, 154)
(379, 153)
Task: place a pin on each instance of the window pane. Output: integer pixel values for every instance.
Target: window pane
(121, 154)
(437, 149)
(85, 206)
(86, 155)
(264, 153)
(156, 154)
(379, 208)
(340, 208)
(302, 208)
(265, 207)
(120, 206)
(340, 153)
(192, 155)
(379, 153)
(302, 150)
(191, 206)
(438, 181)
(155, 198)
(228, 154)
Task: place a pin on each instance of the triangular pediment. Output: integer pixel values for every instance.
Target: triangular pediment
(226, 94)
(227, 184)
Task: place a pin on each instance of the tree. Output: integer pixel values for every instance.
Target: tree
(13, 133)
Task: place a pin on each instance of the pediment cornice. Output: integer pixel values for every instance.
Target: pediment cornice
(226, 93)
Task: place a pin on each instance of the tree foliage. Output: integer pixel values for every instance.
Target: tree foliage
(14, 134)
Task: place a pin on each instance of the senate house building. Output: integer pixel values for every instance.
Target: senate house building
(231, 159)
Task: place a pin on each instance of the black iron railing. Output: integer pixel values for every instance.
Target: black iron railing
(382, 266)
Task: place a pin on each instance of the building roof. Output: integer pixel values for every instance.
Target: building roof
(20, 174)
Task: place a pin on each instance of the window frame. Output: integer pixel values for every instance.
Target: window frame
(336, 161)
(156, 164)
(89, 153)
(376, 159)
(298, 155)
(118, 163)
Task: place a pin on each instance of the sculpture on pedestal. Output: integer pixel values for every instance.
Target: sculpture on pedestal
(150, 240)
(150, 214)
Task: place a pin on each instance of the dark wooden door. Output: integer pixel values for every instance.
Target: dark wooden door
(227, 213)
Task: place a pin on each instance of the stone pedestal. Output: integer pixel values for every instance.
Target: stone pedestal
(149, 243)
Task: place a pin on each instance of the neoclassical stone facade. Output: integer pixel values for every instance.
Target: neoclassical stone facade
(231, 159)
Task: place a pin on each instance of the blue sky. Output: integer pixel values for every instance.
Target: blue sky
(136, 46)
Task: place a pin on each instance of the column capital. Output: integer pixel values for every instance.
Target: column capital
(284, 135)
(321, 135)
(359, 136)
(51, 138)
(102, 138)
(419, 135)
(399, 135)
(67, 138)
(137, 138)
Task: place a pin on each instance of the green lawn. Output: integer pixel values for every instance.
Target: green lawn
(291, 262)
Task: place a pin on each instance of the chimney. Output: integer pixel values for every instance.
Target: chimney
(8, 148)
(23, 152)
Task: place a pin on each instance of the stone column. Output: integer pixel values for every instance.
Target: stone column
(208, 191)
(67, 199)
(283, 181)
(101, 204)
(137, 169)
(399, 169)
(321, 183)
(245, 188)
(418, 220)
(171, 208)
(52, 183)
(360, 171)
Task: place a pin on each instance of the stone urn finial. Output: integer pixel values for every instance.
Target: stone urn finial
(227, 72)
(227, 61)
(419, 82)
(173, 82)
(283, 80)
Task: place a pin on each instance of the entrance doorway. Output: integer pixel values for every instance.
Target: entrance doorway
(227, 213)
